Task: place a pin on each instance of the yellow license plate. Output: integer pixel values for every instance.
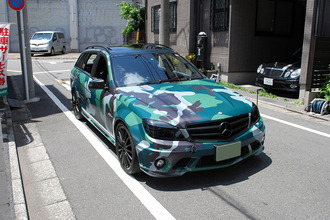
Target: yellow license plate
(227, 151)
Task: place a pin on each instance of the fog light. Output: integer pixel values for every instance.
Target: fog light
(160, 163)
(293, 86)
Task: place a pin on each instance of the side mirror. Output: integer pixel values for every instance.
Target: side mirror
(97, 84)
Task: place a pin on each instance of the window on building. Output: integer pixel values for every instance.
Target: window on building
(220, 15)
(274, 17)
(155, 17)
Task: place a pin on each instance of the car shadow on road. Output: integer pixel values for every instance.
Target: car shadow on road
(205, 179)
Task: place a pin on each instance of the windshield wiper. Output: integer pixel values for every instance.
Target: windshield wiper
(174, 79)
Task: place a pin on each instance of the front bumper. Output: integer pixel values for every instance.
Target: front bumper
(183, 156)
(40, 49)
(284, 84)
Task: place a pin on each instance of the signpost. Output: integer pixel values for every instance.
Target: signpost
(16, 4)
(19, 6)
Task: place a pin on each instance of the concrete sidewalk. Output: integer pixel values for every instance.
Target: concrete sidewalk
(12, 200)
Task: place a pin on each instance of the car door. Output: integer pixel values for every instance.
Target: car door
(100, 99)
(82, 76)
(55, 42)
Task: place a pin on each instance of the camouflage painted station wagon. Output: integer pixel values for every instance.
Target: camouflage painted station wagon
(163, 116)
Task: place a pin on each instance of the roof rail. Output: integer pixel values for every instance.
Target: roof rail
(98, 46)
(151, 46)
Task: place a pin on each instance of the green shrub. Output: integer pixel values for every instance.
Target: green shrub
(191, 57)
(325, 90)
(132, 15)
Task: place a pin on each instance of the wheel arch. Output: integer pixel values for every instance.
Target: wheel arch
(131, 121)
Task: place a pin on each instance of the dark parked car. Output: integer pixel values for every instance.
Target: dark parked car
(164, 117)
(282, 74)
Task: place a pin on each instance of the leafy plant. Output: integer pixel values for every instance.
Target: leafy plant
(133, 16)
(325, 90)
(191, 57)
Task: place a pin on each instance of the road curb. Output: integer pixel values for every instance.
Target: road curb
(17, 197)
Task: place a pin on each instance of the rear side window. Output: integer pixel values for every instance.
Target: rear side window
(86, 62)
(60, 35)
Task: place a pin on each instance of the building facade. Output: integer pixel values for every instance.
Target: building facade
(243, 34)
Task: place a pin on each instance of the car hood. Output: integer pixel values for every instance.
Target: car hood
(184, 102)
(284, 64)
(39, 41)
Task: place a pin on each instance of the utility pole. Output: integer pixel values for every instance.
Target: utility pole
(24, 39)
(164, 27)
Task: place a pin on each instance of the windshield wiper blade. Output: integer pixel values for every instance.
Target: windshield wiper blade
(151, 82)
(174, 79)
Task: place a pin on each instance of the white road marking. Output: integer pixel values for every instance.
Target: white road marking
(52, 71)
(41, 72)
(154, 207)
(15, 71)
(52, 62)
(296, 126)
(66, 85)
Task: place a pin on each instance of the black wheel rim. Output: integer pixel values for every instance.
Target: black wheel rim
(124, 147)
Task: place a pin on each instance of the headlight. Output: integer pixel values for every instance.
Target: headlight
(287, 73)
(260, 69)
(295, 73)
(161, 130)
(255, 115)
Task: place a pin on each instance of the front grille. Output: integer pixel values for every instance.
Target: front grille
(223, 129)
(274, 73)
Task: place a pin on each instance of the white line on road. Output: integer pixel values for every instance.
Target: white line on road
(296, 126)
(154, 207)
(52, 71)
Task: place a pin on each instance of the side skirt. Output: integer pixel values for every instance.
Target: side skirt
(98, 126)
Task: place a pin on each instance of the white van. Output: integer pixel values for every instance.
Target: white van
(48, 42)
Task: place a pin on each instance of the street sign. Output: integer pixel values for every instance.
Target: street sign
(16, 4)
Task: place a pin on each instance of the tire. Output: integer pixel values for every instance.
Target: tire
(76, 106)
(52, 51)
(63, 50)
(125, 149)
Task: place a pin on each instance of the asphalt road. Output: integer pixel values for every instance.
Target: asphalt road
(290, 180)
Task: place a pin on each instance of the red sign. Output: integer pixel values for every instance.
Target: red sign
(16, 4)
(4, 40)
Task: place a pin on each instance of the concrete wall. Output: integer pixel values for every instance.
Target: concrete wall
(42, 15)
(99, 23)
(90, 22)
(3, 12)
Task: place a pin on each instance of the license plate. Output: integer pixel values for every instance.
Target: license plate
(227, 151)
(268, 81)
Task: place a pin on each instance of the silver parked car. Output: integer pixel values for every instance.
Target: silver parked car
(48, 42)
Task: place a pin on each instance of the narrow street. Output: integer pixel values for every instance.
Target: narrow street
(70, 170)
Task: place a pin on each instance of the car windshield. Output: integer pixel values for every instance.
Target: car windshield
(152, 69)
(42, 36)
